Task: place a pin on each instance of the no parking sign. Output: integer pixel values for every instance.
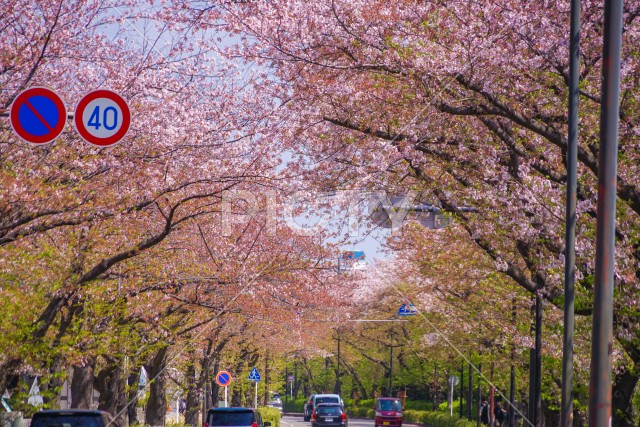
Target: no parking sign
(38, 115)
(102, 118)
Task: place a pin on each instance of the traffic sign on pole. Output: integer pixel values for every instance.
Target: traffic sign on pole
(254, 375)
(102, 118)
(223, 378)
(38, 115)
(407, 310)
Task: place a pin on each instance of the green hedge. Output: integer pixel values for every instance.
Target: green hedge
(429, 418)
(436, 419)
(296, 405)
(270, 414)
(361, 412)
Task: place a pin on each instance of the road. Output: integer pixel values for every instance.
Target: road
(297, 421)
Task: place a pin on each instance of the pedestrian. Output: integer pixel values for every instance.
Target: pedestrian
(183, 405)
(500, 414)
(484, 413)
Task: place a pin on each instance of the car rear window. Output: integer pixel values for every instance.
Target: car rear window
(328, 399)
(329, 410)
(67, 420)
(235, 418)
(389, 405)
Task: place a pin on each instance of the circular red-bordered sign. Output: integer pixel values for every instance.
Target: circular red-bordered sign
(102, 118)
(223, 378)
(38, 115)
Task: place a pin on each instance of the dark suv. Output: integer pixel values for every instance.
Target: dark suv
(235, 417)
(70, 418)
(329, 415)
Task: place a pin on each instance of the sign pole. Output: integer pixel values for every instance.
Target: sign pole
(226, 405)
(255, 397)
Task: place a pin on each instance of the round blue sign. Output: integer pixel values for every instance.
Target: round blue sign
(38, 115)
(223, 378)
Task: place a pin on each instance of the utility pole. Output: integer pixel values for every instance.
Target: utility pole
(435, 386)
(389, 393)
(338, 387)
(602, 330)
(286, 395)
(266, 379)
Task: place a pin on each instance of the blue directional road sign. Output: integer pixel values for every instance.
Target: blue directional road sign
(254, 375)
(38, 115)
(407, 310)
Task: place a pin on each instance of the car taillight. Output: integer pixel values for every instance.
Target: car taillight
(344, 416)
(313, 416)
(206, 424)
(255, 424)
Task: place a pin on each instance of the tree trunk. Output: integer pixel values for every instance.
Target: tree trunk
(192, 402)
(156, 409)
(624, 383)
(82, 385)
(111, 384)
(132, 409)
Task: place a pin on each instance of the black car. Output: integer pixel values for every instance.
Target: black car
(329, 415)
(234, 417)
(70, 418)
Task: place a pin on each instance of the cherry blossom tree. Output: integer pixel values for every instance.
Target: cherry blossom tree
(466, 103)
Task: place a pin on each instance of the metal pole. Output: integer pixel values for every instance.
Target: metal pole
(538, 359)
(338, 383)
(461, 387)
(470, 393)
(226, 400)
(255, 396)
(492, 393)
(566, 409)
(512, 383)
(389, 394)
(450, 395)
(479, 393)
(532, 370)
(266, 379)
(286, 379)
(602, 331)
(435, 385)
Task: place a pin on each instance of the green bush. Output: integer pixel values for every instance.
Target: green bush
(270, 414)
(296, 405)
(428, 418)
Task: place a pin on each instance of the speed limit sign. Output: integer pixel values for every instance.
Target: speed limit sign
(102, 118)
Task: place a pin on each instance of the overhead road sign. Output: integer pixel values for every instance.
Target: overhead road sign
(407, 310)
(38, 115)
(254, 375)
(102, 118)
(223, 378)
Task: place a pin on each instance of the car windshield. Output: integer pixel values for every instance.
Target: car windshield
(236, 418)
(328, 399)
(67, 420)
(389, 405)
(329, 410)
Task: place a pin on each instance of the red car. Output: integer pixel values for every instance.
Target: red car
(388, 412)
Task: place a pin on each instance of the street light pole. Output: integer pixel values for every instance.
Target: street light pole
(390, 370)
(338, 388)
(566, 411)
(602, 331)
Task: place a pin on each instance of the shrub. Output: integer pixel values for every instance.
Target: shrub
(270, 414)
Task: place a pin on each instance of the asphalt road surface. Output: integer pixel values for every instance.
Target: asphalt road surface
(298, 421)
